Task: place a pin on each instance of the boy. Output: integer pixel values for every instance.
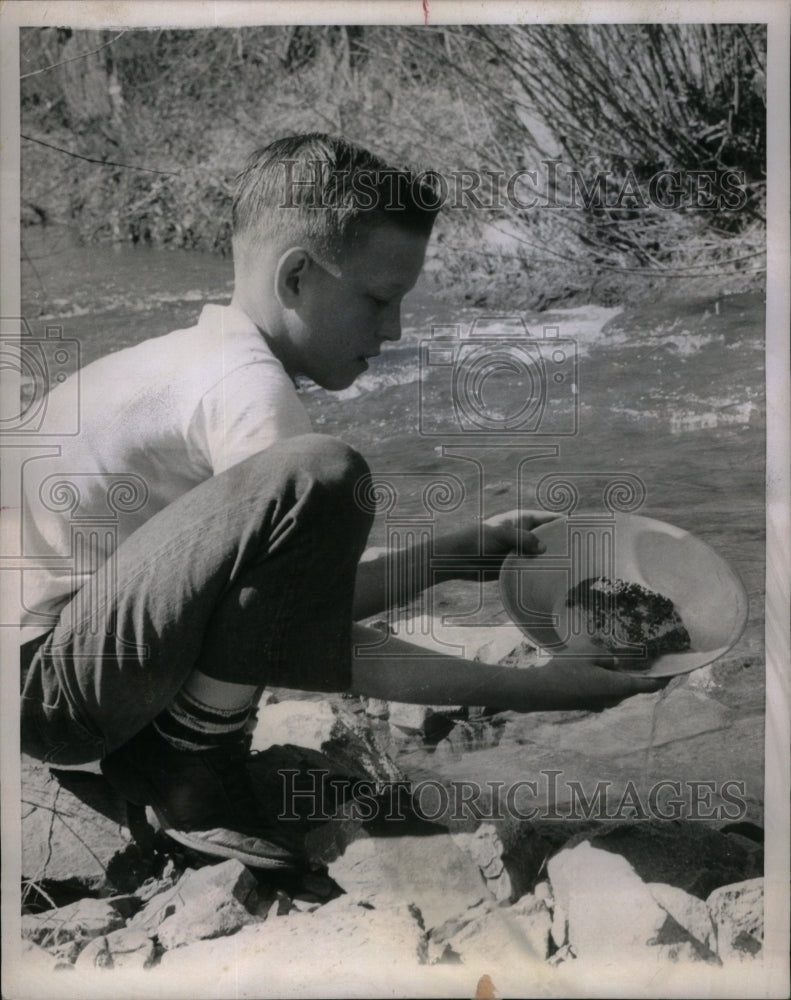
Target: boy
(238, 532)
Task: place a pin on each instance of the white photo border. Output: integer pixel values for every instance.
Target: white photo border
(141, 13)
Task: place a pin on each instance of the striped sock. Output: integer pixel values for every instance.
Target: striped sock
(205, 713)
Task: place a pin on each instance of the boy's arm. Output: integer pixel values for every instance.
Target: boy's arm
(395, 577)
(389, 668)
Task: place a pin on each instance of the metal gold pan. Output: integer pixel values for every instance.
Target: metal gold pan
(705, 590)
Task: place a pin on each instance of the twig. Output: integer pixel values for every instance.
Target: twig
(102, 163)
(30, 885)
(648, 272)
(751, 47)
(82, 55)
(35, 270)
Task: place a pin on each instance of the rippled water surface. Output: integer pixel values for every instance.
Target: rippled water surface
(671, 394)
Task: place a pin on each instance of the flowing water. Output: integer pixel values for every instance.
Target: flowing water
(668, 399)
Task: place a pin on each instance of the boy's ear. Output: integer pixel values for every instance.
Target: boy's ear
(290, 275)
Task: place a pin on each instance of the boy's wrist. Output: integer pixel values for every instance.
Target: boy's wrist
(456, 543)
(456, 553)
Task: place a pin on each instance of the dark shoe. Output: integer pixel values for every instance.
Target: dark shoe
(203, 799)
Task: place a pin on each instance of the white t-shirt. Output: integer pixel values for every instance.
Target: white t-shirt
(155, 420)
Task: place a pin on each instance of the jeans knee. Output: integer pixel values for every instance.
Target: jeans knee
(338, 474)
(330, 460)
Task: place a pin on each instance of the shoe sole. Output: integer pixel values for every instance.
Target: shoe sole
(137, 791)
(214, 851)
(196, 843)
(249, 858)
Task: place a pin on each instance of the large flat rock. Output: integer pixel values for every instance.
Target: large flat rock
(343, 939)
(433, 872)
(73, 829)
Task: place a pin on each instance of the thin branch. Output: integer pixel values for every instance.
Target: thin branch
(102, 163)
(646, 272)
(82, 55)
(614, 267)
(30, 885)
(26, 256)
(751, 47)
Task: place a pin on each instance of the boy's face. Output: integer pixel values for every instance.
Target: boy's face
(346, 313)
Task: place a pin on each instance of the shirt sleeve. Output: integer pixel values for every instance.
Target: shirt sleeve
(246, 412)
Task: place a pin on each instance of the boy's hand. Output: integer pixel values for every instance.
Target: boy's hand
(574, 682)
(513, 530)
(498, 535)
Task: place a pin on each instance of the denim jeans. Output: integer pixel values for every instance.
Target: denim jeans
(249, 578)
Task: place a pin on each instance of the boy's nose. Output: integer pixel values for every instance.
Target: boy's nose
(391, 326)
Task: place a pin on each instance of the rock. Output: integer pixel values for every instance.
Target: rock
(486, 849)
(380, 624)
(689, 856)
(127, 906)
(323, 727)
(506, 647)
(485, 643)
(439, 936)
(36, 960)
(688, 911)
(323, 760)
(328, 841)
(268, 697)
(126, 948)
(563, 954)
(155, 885)
(468, 735)
(429, 871)
(280, 906)
(68, 929)
(610, 910)
(313, 797)
(738, 914)
(678, 953)
(346, 939)
(73, 828)
(95, 955)
(305, 723)
(221, 883)
(511, 855)
(641, 723)
(377, 708)
(303, 906)
(319, 886)
(496, 935)
(617, 743)
(425, 719)
(559, 931)
(215, 914)
(410, 717)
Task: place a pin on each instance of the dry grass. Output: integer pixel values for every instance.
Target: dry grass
(625, 100)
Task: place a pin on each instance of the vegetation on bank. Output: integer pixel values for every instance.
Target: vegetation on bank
(603, 162)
